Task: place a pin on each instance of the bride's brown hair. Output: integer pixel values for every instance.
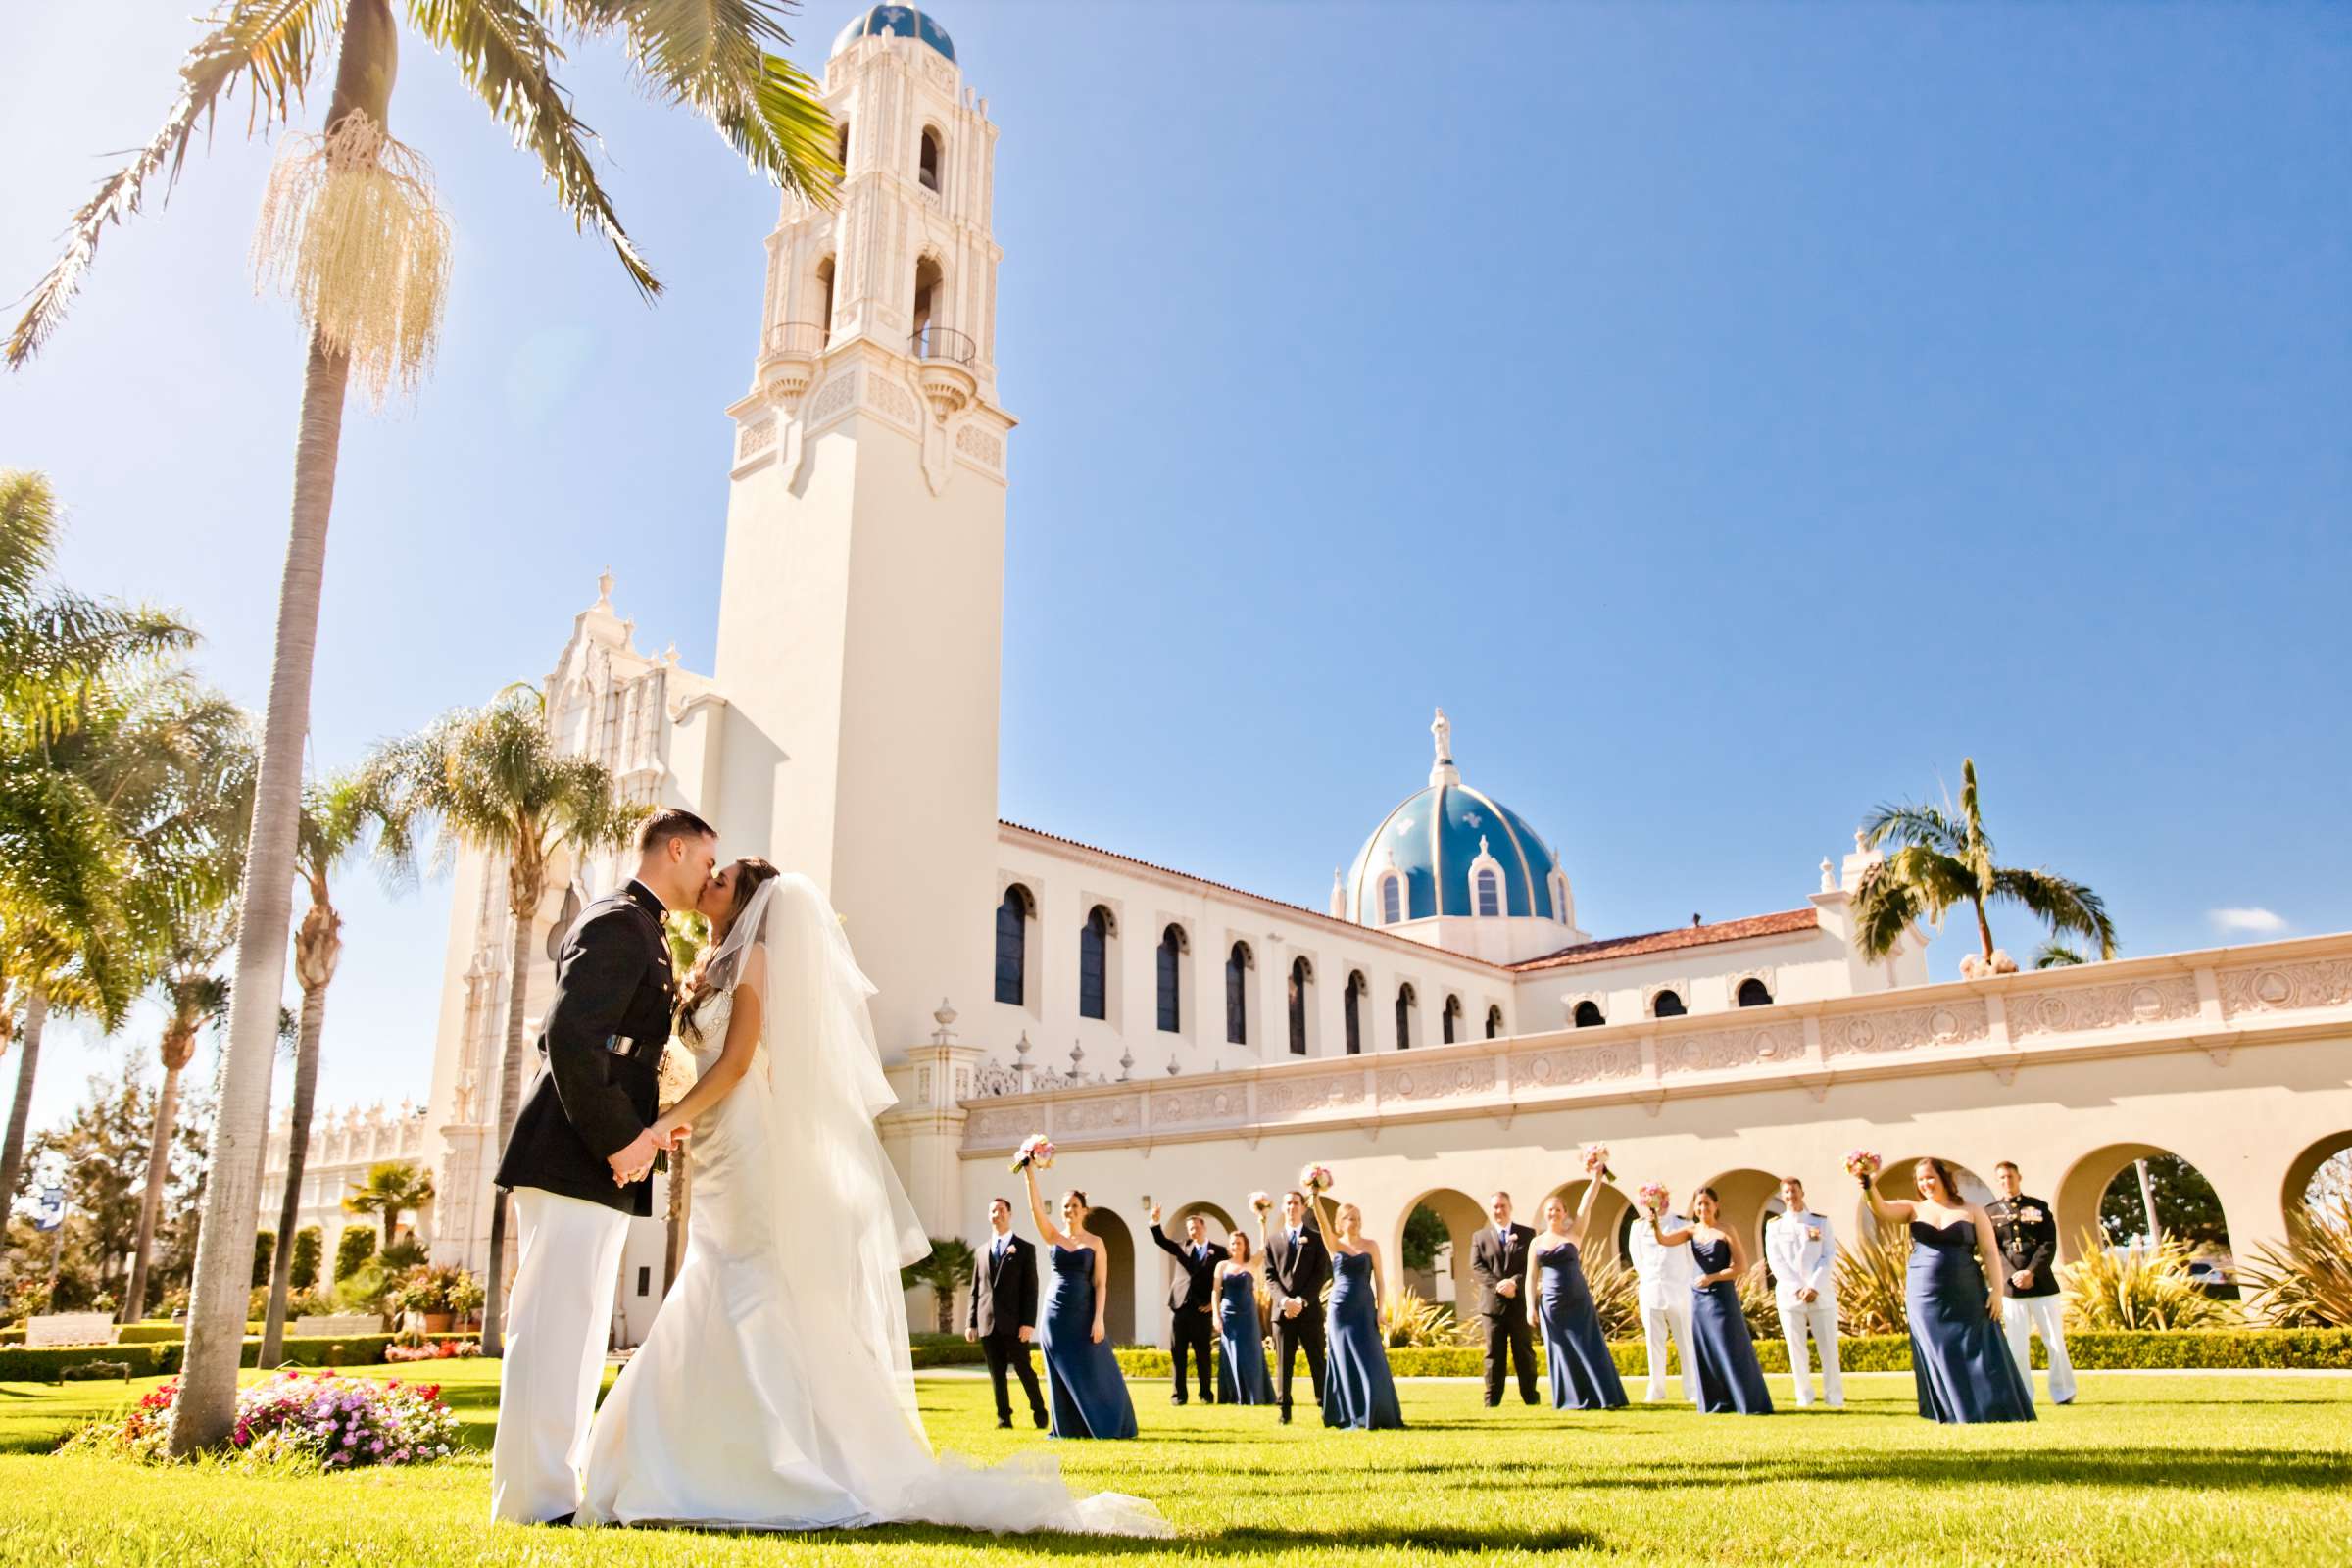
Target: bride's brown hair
(701, 985)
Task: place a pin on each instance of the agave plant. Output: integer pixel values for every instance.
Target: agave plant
(1870, 1285)
(1756, 1305)
(2308, 1283)
(1407, 1321)
(2139, 1288)
(1616, 1296)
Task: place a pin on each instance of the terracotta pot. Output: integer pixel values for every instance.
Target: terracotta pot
(439, 1322)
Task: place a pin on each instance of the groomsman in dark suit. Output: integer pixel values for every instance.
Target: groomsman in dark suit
(1191, 1323)
(1297, 1269)
(1003, 1312)
(2029, 1239)
(1498, 1262)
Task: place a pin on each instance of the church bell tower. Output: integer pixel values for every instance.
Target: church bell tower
(860, 614)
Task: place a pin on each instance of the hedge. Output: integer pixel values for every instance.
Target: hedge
(162, 1358)
(2300, 1350)
(24, 1364)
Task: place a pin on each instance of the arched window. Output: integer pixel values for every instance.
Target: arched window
(1392, 899)
(1753, 994)
(1495, 1021)
(926, 297)
(1588, 1015)
(1667, 1005)
(1452, 1017)
(841, 148)
(1489, 892)
(824, 288)
(1356, 1013)
(927, 171)
(1171, 974)
(1237, 994)
(1404, 1017)
(1094, 964)
(1012, 944)
(1299, 979)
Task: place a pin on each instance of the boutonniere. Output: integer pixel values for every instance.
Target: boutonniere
(1813, 1232)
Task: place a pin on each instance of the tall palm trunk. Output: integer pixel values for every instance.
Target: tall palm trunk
(28, 1041)
(1983, 929)
(526, 885)
(298, 1147)
(179, 1044)
(205, 1409)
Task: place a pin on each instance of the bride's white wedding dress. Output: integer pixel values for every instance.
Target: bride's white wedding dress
(776, 1389)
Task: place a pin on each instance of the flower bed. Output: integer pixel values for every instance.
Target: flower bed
(431, 1350)
(336, 1423)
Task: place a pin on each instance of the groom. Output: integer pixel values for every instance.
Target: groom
(577, 1166)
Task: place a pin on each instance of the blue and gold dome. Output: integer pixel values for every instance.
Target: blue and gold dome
(1438, 842)
(895, 21)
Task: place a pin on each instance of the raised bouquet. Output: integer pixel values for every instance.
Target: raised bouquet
(1861, 1165)
(1596, 1160)
(1315, 1179)
(1036, 1151)
(1260, 1202)
(1653, 1195)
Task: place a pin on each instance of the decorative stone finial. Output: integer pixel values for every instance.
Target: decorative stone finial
(604, 589)
(1172, 1067)
(1339, 895)
(1126, 1065)
(1077, 1056)
(944, 1017)
(1829, 876)
(1443, 771)
(1020, 1055)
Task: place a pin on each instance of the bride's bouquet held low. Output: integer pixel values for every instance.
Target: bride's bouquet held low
(1035, 1150)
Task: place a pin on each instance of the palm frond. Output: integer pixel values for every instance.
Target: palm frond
(502, 50)
(269, 48)
(1884, 908)
(1913, 824)
(2061, 904)
(2056, 954)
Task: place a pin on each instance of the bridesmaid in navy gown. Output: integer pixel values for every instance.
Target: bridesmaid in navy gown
(1722, 1350)
(1584, 1375)
(1357, 1390)
(1241, 1338)
(1083, 1385)
(1960, 1357)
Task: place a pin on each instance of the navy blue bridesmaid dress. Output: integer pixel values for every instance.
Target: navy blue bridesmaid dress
(1357, 1390)
(1584, 1375)
(1722, 1350)
(1240, 1344)
(1959, 1356)
(1083, 1385)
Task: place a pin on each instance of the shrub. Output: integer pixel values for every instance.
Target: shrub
(355, 1247)
(150, 1333)
(29, 1298)
(2147, 1288)
(441, 1288)
(1616, 1296)
(431, 1350)
(309, 1244)
(334, 1423)
(1870, 1285)
(264, 1254)
(1407, 1320)
(2309, 1282)
(1757, 1305)
(19, 1363)
(947, 1349)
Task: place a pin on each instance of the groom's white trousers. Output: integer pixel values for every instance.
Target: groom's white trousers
(559, 1320)
(1656, 1321)
(2022, 1316)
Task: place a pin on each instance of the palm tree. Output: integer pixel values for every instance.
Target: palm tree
(335, 818)
(193, 997)
(947, 1268)
(490, 780)
(370, 293)
(393, 1187)
(1947, 860)
(2056, 954)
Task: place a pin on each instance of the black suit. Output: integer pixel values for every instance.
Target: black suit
(1192, 1326)
(599, 1050)
(1492, 1261)
(1298, 1273)
(2026, 1243)
(1004, 1302)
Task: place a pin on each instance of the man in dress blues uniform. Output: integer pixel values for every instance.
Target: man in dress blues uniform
(1297, 1269)
(1192, 1325)
(1004, 1312)
(1802, 1251)
(1498, 1262)
(578, 1164)
(2028, 1238)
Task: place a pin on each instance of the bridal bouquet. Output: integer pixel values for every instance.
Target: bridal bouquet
(1861, 1165)
(1035, 1150)
(1653, 1195)
(1260, 1202)
(1596, 1159)
(1315, 1179)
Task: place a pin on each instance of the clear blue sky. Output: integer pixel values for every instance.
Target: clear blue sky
(1733, 414)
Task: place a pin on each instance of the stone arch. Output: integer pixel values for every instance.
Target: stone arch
(2304, 1168)
(1462, 1217)
(1748, 1197)
(1894, 1183)
(2083, 1188)
(1611, 1212)
(1118, 1313)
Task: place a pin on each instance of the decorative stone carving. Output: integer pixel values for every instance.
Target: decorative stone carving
(978, 444)
(2285, 987)
(1436, 1078)
(1724, 1049)
(892, 400)
(834, 397)
(1291, 1097)
(1113, 1114)
(1904, 1029)
(2143, 1001)
(993, 1079)
(1196, 1107)
(755, 438)
(1007, 1125)
(1576, 1064)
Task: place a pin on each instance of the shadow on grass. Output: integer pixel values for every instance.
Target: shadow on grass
(1240, 1540)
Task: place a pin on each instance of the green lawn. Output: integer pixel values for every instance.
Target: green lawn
(2144, 1469)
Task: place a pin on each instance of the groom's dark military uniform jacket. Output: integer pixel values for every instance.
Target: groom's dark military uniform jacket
(2028, 1238)
(600, 1052)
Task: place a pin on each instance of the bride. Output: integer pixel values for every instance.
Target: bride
(776, 1389)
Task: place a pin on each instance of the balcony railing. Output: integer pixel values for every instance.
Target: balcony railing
(796, 337)
(943, 343)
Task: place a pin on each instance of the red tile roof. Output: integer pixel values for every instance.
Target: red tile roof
(1688, 936)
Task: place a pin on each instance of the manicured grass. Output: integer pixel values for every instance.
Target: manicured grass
(2143, 1469)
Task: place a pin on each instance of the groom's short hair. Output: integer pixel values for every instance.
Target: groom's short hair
(662, 826)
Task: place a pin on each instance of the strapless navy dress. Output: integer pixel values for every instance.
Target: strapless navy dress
(1723, 1352)
(1357, 1390)
(1083, 1385)
(1959, 1356)
(1240, 1344)
(1584, 1375)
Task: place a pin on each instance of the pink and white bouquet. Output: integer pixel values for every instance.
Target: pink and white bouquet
(1260, 1202)
(1653, 1195)
(1036, 1151)
(1315, 1178)
(1861, 1165)
(1596, 1161)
